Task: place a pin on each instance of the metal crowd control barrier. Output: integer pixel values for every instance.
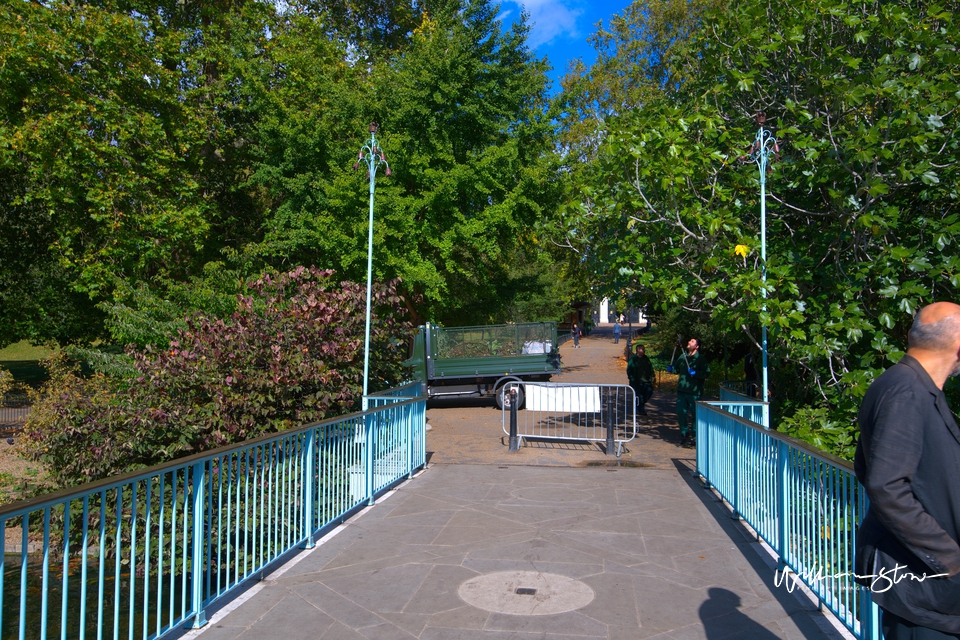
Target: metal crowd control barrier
(604, 413)
(139, 555)
(806, 504)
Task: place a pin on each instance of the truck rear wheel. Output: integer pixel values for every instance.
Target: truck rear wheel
(505, 389)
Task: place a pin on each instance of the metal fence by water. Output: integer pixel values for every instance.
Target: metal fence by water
(14, 408)
(139, 555)
(604, 413)
(806, 504)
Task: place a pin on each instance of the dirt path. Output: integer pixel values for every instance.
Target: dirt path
(470, 431)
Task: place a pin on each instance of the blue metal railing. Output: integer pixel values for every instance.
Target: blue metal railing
(744, 394)
(139, 555)
(740, 390)
(403, 392)
(806, 504)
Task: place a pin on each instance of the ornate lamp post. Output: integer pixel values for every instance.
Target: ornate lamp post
(764, 146)
(373, 157)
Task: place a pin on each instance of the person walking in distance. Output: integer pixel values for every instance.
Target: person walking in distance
(907, 459)
(617, 330)
(693, 370)
(576, 336)
(640, 374)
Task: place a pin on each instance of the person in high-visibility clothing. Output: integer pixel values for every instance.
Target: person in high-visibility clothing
(694, 369)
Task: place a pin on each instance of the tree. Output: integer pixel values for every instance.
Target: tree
(461, 113)
(635, 64)
(122, 135)
(862, 211)
(145, 143)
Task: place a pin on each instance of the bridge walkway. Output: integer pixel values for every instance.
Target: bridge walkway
(629, 550)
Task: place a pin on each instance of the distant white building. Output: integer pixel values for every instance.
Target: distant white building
(606, 317)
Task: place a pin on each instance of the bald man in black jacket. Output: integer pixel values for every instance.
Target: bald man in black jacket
(908, 460)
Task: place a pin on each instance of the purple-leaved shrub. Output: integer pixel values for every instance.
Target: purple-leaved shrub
(291, 354)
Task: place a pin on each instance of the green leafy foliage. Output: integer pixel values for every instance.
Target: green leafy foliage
(142, 142)
(291, 353)
(461, 119)
(861, 205)
(6, 382)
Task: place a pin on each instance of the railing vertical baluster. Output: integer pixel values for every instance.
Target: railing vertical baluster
(3, 566)
(283, 491)
(185, 544)
(408, 426)
(100, 583)
(116, 564)
(65, 576)
(272, 457)
(220, 510)
(783, 498)
(246, 520)
(148, 523)
(309, 474)
(45, 589)
(131, 598)
(160, 537)
(25, 529)
(208, 530)
(198, 478)
(368, 430)
(258, 524)
(174, 510)
(243, 503)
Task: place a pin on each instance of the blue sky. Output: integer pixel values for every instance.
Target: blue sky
(560, 28)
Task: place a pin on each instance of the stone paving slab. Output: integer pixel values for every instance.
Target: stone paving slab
(660, 554)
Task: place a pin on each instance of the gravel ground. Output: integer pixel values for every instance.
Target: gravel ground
(14, 471)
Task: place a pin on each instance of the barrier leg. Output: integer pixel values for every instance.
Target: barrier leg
(514, 440)
(608, 415)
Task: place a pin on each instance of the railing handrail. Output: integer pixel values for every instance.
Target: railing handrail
(804, 446)
(805, 503)
(14, 509)
(394, 391)
(179, 536)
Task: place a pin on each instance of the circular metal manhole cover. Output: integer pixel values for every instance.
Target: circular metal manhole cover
(526, 593)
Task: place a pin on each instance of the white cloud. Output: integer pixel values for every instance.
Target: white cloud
(551, 19)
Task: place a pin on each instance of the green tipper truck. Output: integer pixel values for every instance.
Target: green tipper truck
(479, 361)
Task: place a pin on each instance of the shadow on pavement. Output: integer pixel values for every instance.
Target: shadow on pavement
(720, 614)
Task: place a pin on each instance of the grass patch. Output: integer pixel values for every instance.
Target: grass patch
(23, 350)
(22, 359)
